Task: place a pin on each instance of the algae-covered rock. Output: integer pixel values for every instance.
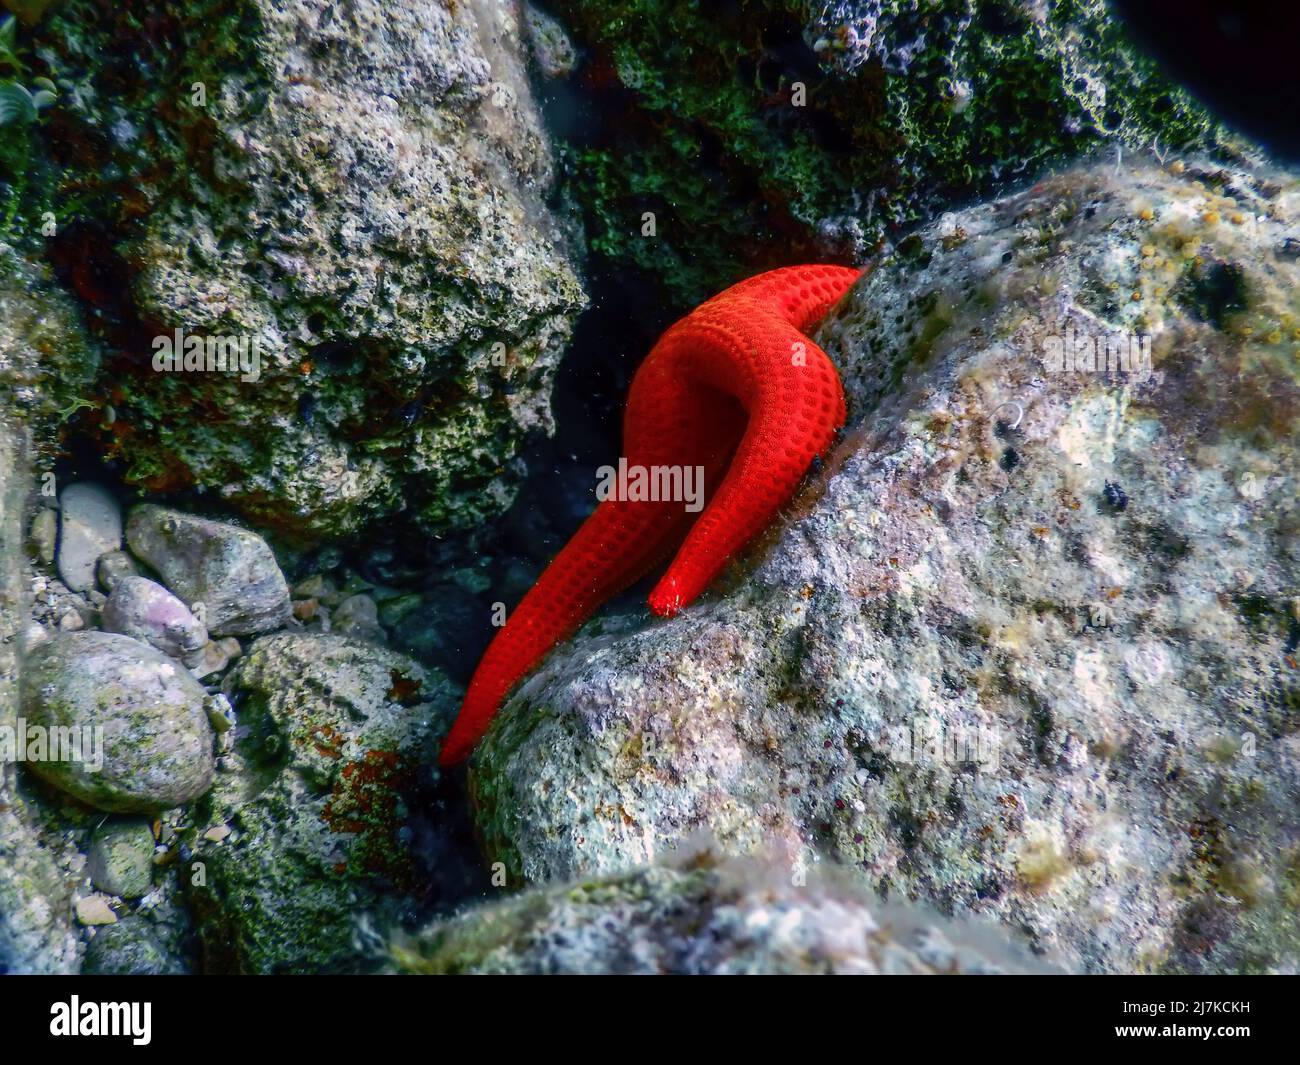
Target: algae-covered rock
(706, 917)
(780, 131)
(47, 361)
(129, 948)
(310, 843)
(355, 196)
(36, 933)
(120, 857)
(123, 726)
(230, 570)
(549, 46)
(1026, 647)
(43, 534)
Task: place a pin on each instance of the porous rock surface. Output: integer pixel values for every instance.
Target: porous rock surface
(1026, 647)
(360, 191)
(307, 847)
(710, 917)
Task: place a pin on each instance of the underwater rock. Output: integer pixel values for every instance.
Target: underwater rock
(549, 45)
(212, 657)
(357, 616)
(94, 911)
(230, 570)
(960, 667)
(146, 611)
(90, 524)
(318, 587)
(43, 534)
(47, 360)
(113, 568)
(128, 948)
(356, 195)
(136, 718)
(36, 932)
(710, 917)
(332, 734)
(120, 857)
(831, 128)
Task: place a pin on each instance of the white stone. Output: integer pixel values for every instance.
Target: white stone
(90, 524)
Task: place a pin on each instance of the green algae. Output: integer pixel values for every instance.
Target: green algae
(705, 133)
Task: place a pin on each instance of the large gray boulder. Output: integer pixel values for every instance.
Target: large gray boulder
(1027, 646)
(357, 194)
(139, 733)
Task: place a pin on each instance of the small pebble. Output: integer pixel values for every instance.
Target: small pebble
(90, 525)
(221, 715)
(94, 910)
(114, 567)
(315, 587)
(358, 616)
(209, 659)
(44, 534)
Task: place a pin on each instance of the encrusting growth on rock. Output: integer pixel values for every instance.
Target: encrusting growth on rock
(735, 386)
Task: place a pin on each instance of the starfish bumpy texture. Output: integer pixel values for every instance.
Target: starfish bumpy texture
(735, 388)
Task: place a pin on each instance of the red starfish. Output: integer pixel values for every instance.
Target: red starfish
(735, 377)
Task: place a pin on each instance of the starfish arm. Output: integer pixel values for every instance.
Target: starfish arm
(613, 548)
(666, 423)
(796, 407)
(800, 294)
(737, 377)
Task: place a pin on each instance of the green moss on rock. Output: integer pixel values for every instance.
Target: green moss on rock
(305, 846)
(706, 916)
(909, 108)
(363, 197)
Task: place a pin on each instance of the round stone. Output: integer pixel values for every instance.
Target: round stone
(114, 723)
